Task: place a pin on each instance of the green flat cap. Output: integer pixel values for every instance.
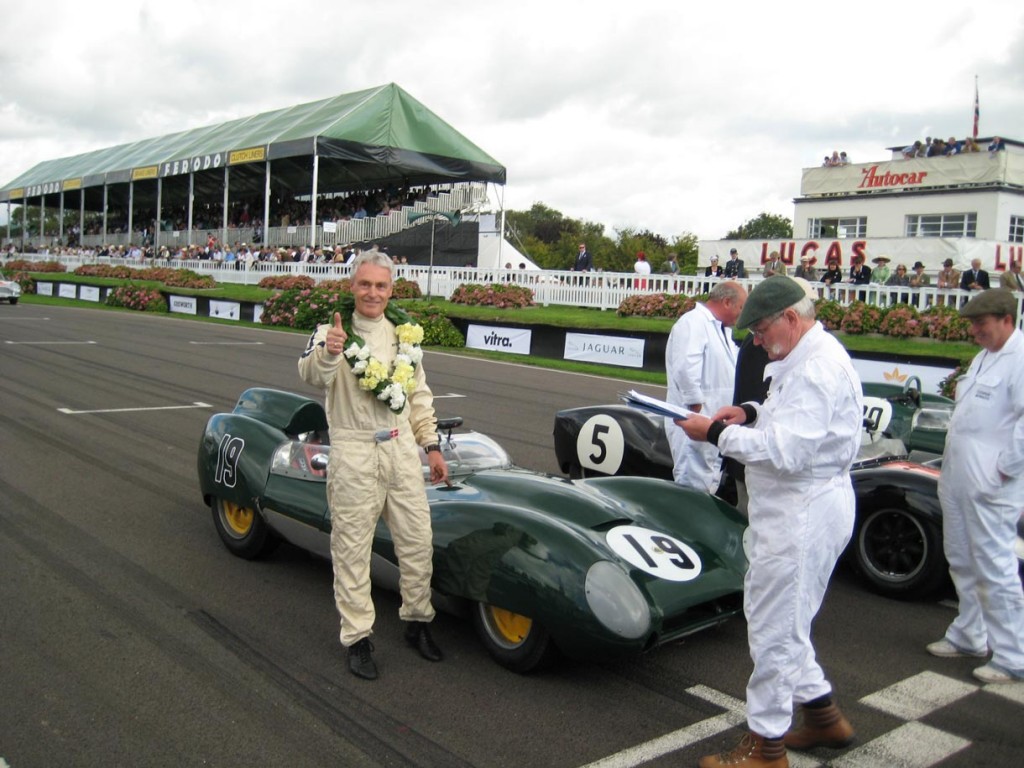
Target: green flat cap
(994, 301)
(773, 295)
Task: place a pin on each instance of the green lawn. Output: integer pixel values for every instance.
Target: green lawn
(559, 316)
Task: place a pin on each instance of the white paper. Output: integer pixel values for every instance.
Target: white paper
(635, 399)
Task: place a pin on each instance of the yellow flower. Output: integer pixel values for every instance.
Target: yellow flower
(403, 372)
(409, 334)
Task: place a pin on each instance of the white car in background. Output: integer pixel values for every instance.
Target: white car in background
(10, 291)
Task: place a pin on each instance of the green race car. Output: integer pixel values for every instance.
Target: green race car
(592, 568)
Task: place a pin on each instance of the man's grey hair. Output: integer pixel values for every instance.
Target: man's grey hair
(375, 258)
(724, 291)
(805, 308)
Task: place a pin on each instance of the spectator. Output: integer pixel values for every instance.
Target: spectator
(970, 145)
(671, 266)
(996, 145)
(774, 265)
(734, 268)
(805, 270)
(833, 274)
(843, 159)
(880, 274)
(936, 148)
(583, 261)
(975, 278)
(700, 362)
(860, 273)
(714, 270)
(642, 267)
(899, 277)
(1011, 279)
(914, 150)
(919, 279)
(980, 489)
(948, 277)
(952, 147)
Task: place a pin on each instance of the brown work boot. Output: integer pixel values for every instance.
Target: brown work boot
(753, 751)
(821, 727)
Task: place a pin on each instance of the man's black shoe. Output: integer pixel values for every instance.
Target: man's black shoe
(360, 660)
(417, 634)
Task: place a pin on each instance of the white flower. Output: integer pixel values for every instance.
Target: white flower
(389, 383)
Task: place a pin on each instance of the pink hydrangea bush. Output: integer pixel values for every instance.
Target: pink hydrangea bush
(494, 295)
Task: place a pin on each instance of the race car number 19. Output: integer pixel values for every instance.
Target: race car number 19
(655, 553)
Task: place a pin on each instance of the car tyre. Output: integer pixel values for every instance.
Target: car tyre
(243, 530)
(516, 642)
(13, 301)
(899, 553)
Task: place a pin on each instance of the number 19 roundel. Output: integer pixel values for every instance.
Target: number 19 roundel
(655, 553)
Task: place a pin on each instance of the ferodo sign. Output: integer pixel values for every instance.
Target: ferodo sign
(192, 164)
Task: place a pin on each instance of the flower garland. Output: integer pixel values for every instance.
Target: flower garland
(392, 386)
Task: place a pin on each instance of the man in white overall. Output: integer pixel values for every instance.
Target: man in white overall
(981, 490)
(797, 447)
(700, 361)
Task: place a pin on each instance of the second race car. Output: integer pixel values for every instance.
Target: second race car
(897, 540)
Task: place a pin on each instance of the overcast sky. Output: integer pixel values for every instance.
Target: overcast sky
(665, 115)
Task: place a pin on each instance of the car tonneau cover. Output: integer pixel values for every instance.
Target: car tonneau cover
(292, 414)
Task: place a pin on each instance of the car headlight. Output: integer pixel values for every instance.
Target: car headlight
(932, 418)
(617, 601)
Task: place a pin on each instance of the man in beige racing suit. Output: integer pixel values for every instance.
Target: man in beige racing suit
(379, 410)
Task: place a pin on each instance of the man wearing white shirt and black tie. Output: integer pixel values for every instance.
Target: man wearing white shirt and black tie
(700, 362)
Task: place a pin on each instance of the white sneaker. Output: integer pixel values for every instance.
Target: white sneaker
(990, 674)
(947, 650)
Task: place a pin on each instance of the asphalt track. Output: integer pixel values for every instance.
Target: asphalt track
(130, 637)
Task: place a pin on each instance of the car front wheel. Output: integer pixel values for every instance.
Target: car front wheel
(244, 532)
(516, 642)
(900, 554)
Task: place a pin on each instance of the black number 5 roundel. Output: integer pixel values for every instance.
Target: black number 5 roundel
(655, 553)
(600, 444)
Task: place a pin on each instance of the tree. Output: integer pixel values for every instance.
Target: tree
(766, 226)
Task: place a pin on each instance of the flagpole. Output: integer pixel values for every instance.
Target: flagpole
(976, 109)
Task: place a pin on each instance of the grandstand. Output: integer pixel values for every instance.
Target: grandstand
(351, 168)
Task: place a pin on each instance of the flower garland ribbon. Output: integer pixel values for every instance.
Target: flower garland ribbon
(393, 385)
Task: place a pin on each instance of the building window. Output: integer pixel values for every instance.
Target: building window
(850, 227)
(942, 225)
(1016, 229)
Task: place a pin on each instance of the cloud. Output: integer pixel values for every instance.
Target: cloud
(665, 116)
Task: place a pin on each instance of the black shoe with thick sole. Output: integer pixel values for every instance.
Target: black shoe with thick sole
(360, 660)
(417, 634)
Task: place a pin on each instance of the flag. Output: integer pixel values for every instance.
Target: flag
(977, 111)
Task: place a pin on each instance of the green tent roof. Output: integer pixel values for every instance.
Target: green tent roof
(364, 139)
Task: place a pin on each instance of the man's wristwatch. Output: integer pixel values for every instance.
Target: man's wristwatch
(432, 447)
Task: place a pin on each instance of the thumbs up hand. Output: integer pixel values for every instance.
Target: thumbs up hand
(336, 336)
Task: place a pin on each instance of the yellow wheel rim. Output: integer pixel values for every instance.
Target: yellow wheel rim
(512, 627)
(238, 518)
